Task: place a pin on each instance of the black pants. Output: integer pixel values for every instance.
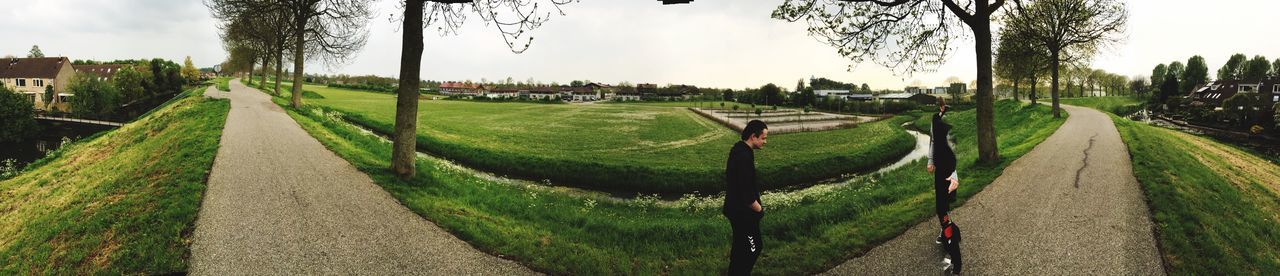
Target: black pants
(746, 243)
(952, 246)
(942, 198)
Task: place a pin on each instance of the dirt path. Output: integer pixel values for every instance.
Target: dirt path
(1070, 206)
(279, 202)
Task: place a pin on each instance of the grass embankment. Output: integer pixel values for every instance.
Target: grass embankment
(806, 231)
(617, 147)
(222, 83)
(1119, 105)
(121, 202)
(1216, 207)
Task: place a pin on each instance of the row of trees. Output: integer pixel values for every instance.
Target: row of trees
(1176, 78)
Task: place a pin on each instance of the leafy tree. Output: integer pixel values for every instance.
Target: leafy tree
(1176, 70)
(1196, 74)
(1158, 73)
(1256, 69)
(1017, 59)
(1234, 68)
(908, 36)
(48, 96)
(35, 52)
(772, 94)
(1169, 88)
(1275, 68)
(17, 116)
(129, 81)
(1068, 30)
(92, 96)
(866, 89)
(1240, 108)
(189, 71)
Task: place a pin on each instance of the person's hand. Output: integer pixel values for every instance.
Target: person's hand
(755, 206)
(930, 168)
(955, 184)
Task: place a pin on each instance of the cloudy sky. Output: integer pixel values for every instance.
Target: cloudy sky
(730, 44)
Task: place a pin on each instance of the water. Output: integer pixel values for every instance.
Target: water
(51, 136)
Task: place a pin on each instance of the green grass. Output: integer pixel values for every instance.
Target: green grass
(222, 83)
(617, 147)
(121, 202)
(1119, 105)
(806, 232)
(1215, 207)
(705, 104)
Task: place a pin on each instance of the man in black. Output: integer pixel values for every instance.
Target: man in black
(942, 163)
(742, 199)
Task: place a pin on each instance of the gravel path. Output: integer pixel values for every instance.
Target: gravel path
(1070, 206)
(279, 202)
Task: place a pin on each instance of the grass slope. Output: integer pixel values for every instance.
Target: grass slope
(1215, 206)
(807, 231)
(617, 147)
(1119, 105)
(122, 202)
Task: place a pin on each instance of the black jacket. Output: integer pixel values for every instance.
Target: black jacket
(740, 174)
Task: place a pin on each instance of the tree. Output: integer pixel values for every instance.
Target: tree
(17, 115)
(771, 93)
(1256, 69)
(1176, 70)
(35, 52)
(909, 36)
(866, 89)
(129, 81)
(1196, 74)
(1158, 73)
(189, 71)
(1275, 68)
(1234, 68)
(1016, 58)
(92, 96)
(1169, 88)
(1068, 30)
(48, 96)
(511, 17)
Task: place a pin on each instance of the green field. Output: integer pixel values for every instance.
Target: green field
(617, 147)
(121, 202)
(222, 83)
(807, 231)
(1216, 207)
(1119, 105)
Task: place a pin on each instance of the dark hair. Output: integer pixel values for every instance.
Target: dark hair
(753, 128)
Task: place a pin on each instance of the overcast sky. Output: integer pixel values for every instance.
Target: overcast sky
(728, 44)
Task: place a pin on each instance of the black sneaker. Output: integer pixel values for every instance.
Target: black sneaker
(949, 268)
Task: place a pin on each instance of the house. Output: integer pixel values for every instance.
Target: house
(30, 76)
(503, 93)
(104, 72)
(583, 94)
(1214, 93)
(648, 91)
(831, 94)
(626, 94)
(896, 97)
(543, 93)
(940, 90)
(462, 89)
(860, 97)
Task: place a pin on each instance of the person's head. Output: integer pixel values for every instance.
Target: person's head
(754, 134)
(942, 104)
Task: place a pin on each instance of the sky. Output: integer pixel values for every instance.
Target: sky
(723, 44)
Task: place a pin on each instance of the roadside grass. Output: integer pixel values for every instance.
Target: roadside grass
(806, 231)
(222, 83)
(630, 148)
(1119, 105)
(121, 202)
(1216, 207)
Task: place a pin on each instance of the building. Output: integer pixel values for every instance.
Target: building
(542, 93)
(582, 94)
(626, 94)
(104, 72)
(462, 89)
(859, 97)
(1214, 93)
(940, 90)
(30, 76)
(503, 93)
(958, 88)
(831, 94)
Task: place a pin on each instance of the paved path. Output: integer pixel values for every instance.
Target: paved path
(1070, 206)
(280, 203)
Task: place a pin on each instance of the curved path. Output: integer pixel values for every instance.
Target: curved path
(279, 202)
(1070, 206)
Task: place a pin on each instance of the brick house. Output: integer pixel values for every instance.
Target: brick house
(30, 76)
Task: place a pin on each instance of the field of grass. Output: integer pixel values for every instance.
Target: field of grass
(1119, 105)
(806, 231)
(617, 147)
(121, 202)
(1216, 207)
(704, 104)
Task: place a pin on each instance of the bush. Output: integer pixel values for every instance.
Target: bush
(93, 97)
(17, 116)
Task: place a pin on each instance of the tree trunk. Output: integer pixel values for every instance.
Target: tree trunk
(404, 144)
(987, 151)
(251, 72)
(300, 27)
(279, 68)
(266, 64)
(1015, 90)
(1053, 85)
(1035, 84)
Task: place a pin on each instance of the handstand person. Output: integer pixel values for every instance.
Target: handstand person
(942, 163)
(742, 199)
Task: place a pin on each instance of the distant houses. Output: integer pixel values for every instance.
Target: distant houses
(1266, 92)
(31, 76)
(588, 92)
(104, 72)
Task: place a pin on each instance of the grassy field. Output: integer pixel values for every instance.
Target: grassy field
(617, 147)
(1216, 207)
(121, 202)
(806, 231)
(705, 104)
(1119, 105)
(222, 84)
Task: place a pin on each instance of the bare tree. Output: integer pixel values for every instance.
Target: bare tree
(1017, 60)
(909, 36)
(1068, 29)
(510, 17)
